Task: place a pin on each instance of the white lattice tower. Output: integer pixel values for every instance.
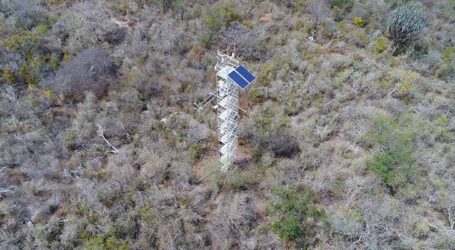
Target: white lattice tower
(228, 114)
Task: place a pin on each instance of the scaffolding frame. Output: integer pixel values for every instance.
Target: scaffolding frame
(227, 95)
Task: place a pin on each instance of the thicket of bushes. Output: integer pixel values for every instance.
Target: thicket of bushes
(90, 70)
(295, 217)
(393, 158)
(344, 144)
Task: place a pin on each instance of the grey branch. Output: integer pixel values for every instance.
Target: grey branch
(101, 134)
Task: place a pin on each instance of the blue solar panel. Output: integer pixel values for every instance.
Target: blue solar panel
(245, 73)
(238, 79)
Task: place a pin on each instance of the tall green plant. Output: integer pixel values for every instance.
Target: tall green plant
(406, 23)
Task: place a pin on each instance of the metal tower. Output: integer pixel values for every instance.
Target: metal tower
(229, 77)
(228, 114)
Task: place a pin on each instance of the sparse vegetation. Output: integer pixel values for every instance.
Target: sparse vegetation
(347, 141)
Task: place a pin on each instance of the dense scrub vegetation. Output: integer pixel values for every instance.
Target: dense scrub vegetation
(393, 159)
(347, 142)
(295, 218)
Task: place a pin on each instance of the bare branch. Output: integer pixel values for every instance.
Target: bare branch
(101, 134)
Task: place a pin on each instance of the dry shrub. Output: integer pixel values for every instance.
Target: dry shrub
(91, 70)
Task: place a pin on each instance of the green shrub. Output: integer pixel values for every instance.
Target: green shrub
(449, 54)
(175, 5)
(288, 228)
(341, 3)
(295, 217)
(195, 151)
(380, 45)
(266, 73)
(406, 23)
(30, 73)
(297, 5)
(269, 121)
(359, 38)
(7, 76)
(358, 21)
(393, 160)
(32, 47)
(341, 7)
(272, 133)
(216, 18)
(54, 62)
(255, 96)
(344, 75)
(205, 39)
(94, 243)
(221, 16)
(237, 179)
(24, 43)
(101, 242)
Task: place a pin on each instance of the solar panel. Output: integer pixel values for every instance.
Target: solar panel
(245, 73)
(241, 76)
(238, 79)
